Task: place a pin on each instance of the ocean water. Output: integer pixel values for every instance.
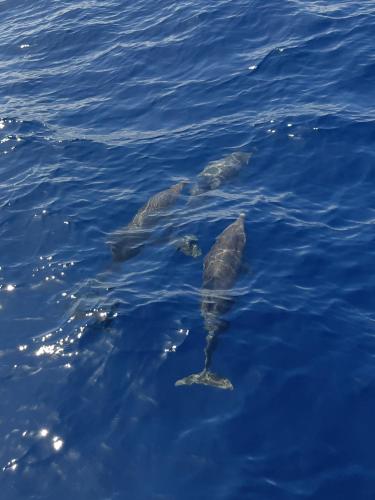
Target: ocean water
(105, 103)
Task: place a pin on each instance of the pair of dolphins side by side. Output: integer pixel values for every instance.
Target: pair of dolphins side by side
(221, 265)
(128, 241)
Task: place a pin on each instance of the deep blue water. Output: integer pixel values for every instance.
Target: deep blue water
(104, 103)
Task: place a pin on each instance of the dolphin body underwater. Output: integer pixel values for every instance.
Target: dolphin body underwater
(220, 270)
(218, 171)
(128, 241)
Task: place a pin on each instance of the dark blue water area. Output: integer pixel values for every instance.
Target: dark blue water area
(105, 103)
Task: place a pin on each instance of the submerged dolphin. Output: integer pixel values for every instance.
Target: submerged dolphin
(218, 171)
(188, 245)
(220, 270)
(128, 241)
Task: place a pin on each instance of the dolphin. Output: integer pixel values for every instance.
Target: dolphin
(128, 241)
(218, 171)
(220, 270)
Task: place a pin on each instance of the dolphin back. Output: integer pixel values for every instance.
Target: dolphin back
(146, 216)
(218, 171)
(128, 241)
(223, 261)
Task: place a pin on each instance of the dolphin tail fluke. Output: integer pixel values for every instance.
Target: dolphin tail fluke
(206, 378)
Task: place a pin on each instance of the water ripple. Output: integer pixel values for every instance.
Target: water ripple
(107, 103)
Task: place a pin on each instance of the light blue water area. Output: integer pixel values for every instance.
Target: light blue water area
(104, 104)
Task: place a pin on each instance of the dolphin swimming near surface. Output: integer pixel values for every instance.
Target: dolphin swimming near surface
(218, 171)
(128, 241)
(188, 245)
(220, 270)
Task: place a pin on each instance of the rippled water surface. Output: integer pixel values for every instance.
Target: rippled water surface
(105, 103)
